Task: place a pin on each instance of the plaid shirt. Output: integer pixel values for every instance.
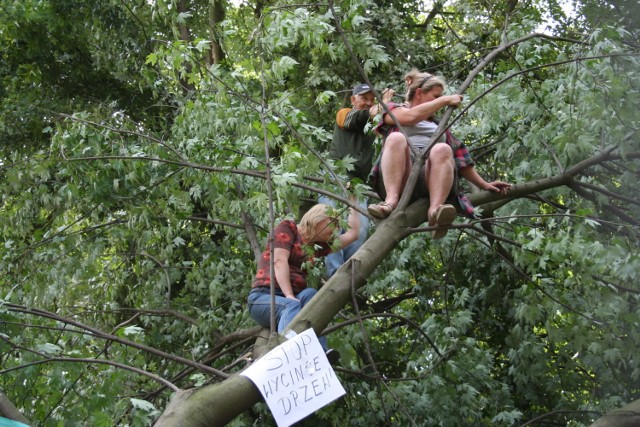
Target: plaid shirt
(287, 236)
(460, 155)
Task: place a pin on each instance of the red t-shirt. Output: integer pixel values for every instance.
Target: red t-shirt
(287, 236)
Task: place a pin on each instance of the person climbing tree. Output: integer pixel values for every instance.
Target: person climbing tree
(292, 245)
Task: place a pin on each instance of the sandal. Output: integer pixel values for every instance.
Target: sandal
(381, 210)
(442, 217)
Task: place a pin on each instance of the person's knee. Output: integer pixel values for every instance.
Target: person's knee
(306, 295)
(290, 304)
(396, 142)
(441, 151)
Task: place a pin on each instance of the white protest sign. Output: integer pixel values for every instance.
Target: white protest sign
(295, 378)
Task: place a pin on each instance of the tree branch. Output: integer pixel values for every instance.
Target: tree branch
(8, 410)
(606, 192)
(404, 319)
(48, 359)
(99, 334)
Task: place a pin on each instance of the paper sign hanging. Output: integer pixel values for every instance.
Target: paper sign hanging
(295, 378)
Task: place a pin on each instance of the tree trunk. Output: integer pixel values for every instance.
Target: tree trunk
(8, 410)
(217, 14)
(185, 35)
(627, 416)
(217, 404)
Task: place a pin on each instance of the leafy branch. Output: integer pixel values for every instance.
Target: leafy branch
(112, 338)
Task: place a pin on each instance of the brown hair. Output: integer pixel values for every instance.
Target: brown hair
(415, 80)
(313, 217)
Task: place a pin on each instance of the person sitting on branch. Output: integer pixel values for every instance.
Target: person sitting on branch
(295, 244)
(352, 139)
(446, 161)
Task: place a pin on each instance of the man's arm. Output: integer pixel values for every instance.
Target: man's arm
(353, 230)
(352, 119)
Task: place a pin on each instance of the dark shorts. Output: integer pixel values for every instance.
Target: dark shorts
(420, 191)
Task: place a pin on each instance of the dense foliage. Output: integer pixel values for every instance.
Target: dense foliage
(141, 174)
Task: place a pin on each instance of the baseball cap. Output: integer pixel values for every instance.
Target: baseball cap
(361, 88)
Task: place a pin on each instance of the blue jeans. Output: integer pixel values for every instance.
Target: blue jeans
(259, 301)
(334, 260)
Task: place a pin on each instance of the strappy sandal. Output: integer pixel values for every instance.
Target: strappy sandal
(442, 217)
(381, 210)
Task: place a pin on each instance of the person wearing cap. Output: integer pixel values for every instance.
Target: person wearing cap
(351, 138)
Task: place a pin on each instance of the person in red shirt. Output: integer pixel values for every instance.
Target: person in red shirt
(294, 245)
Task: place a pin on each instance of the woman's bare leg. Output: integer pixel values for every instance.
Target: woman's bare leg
(395, 166)
(439, 172)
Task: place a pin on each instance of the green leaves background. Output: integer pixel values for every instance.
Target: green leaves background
(134, 182)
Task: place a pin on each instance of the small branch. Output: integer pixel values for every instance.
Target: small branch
(244, 172)
(99, 334)
(97, 361)
(437, 7)
(241, 337)
(215, 221)
(553, 413)
(613, 209)
(365, 336)
(527, 70)
(526, 277)
(48, 359)
(433, 364)
(473, 223)
(389, 303)
(124, 132)
(250, 229)
(606, 192)
(496, 237)
(404, 319)
(166, 274)
(618, 287)
(167, 312)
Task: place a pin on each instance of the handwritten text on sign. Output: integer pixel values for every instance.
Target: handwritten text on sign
(295, 378)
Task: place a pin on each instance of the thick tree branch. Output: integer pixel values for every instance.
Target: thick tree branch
(627, 416)
(8, 410)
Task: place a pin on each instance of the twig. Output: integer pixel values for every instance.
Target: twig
(365, 337)
(99, 334)
(82, 360)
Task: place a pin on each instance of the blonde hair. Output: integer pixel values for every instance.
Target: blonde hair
(313, 217)
(415, 80)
